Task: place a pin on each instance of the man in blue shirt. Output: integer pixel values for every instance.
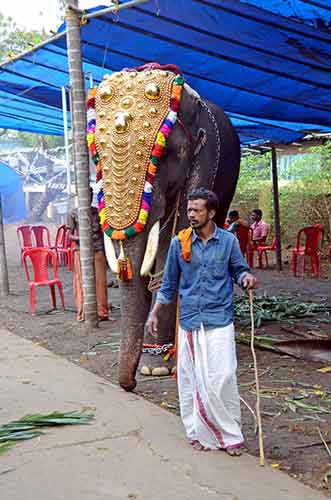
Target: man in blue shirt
(203, 263)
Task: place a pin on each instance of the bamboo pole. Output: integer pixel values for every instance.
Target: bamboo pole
(276, 210)
(257, 382)
(66, 144)
(78, 118)
(4, 281)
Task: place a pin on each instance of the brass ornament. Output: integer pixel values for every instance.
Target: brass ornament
(126, 130)
(153, 111)
(122, 122)
(106, 92)
(152, 91)
(127, 102)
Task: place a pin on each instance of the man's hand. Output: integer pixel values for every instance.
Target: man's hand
(152, 324)
(249, 282)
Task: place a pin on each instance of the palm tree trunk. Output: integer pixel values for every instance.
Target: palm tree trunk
(78, 117)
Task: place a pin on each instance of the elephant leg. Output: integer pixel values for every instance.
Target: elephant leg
(167, 321)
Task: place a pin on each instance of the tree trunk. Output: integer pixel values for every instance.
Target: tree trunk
(78, 115)
(275, 193)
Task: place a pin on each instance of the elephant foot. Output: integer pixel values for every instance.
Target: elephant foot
(156, 366)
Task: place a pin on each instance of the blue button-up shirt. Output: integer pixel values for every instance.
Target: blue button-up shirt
(205, 284)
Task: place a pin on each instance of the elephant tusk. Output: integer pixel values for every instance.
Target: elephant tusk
(193, 93)
(110, 254)
(151, 249)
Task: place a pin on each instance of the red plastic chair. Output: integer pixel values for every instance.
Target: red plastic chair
(41, 236)
(262, 250)
(24, 237)
(62, 244)
(311, 248)
(39, 258)
(244, 234)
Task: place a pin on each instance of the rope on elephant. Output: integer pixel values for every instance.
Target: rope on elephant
(156, 279)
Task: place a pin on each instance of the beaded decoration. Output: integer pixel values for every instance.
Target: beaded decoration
(158, 149)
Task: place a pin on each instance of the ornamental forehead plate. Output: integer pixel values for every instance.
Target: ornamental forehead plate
(130, 108)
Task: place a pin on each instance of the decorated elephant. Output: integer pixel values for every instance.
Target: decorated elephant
(153, 140)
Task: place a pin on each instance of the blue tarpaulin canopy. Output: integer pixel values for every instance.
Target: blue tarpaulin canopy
(12, 196)
(265, 62)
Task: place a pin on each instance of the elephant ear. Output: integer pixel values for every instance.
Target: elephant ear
(206, 144)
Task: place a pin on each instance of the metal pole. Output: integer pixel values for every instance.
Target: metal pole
(78, 116)
(66, 142)
(276, 208)
(114, 8)
(4, 281)
(74, 8)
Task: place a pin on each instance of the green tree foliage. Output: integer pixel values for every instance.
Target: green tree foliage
(14, 40)
(305, 190)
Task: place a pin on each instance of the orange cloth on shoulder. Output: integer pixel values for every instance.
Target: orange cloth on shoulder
(185, 240)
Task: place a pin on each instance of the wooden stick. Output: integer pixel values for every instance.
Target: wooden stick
(323, 441)
(257, 383)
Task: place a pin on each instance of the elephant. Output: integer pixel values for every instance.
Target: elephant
(202, 150)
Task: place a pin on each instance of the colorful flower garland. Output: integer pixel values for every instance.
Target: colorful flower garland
(157, 152)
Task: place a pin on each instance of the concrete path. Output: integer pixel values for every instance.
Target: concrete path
(133, 450)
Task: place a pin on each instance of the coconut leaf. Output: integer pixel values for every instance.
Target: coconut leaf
(5, 446)
(280, 308)
(24, 428)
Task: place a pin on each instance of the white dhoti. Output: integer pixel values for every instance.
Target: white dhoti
(207, 386)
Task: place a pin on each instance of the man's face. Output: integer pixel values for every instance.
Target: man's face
(197, 213)
(255, 217)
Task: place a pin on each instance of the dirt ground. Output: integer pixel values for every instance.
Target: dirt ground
(292, 432)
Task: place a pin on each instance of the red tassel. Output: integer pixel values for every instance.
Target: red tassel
(124, 266)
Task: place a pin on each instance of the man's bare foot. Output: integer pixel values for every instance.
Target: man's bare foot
(198, 446)
(234, 451)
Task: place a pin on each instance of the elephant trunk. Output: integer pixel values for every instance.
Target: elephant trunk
(135, 306)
